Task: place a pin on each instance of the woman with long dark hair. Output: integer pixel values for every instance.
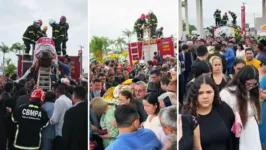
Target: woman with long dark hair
(242, 94)
(215, 118)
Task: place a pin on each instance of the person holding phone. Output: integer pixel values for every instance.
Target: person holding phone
(167, 99)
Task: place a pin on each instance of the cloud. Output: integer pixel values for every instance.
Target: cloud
(18, 15)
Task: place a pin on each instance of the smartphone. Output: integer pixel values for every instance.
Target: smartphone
(167, 101)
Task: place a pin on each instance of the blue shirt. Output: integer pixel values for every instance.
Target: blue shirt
(142, 139)
(230, 57)
(66, 69)
(262, 125)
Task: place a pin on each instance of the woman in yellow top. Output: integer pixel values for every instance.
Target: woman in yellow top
(250, 60)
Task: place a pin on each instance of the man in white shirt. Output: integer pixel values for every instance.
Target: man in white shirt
(62, 104)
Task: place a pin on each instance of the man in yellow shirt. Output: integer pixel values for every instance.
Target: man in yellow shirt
(250, 60)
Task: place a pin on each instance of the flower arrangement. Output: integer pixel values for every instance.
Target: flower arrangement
(167, 56)
(112, 94)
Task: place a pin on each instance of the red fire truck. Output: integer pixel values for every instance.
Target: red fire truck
(76, 65)
(144, 50)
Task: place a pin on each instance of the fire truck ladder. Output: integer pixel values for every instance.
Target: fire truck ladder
(44, 80)
(136, 53)
(147, 31)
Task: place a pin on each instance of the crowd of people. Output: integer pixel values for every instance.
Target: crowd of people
(221, 94)
(33, 119)
(133, 106)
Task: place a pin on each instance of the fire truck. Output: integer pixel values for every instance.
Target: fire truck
(144, 50)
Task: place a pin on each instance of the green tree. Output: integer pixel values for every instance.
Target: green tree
(106, 43)
(120, 42)
(11, 68)
(18, 48)
(97, 48)
(112, 44)
(4, 49)
(128, 34)
(191, 27)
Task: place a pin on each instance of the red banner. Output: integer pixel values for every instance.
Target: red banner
(243, 20)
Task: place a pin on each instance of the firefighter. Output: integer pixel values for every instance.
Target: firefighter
(57, 35)
(139, 25)
(44, 30)
(159, 32)
(225, 19)
(152, 21)
(64, 26)
(233, 15)
(30, 119)
(39, 31)
(217, 16)
(30, 37)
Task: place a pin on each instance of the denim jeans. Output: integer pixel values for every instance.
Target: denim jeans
(47, 144)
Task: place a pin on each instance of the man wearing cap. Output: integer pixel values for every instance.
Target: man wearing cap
(30, 120)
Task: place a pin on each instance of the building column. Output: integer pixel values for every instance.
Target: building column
(186, 17)
(263, 8)
(180, 20)
(199, 9)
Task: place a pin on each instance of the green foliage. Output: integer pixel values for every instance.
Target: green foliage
(4, 49)
(17, 47)
(191, 27)
(11, 68)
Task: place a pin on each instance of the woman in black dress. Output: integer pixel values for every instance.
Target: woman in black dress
(215, 118)
(219, 78)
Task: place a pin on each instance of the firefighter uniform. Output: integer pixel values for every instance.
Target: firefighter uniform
(44, 33)
(64, 27)
(138, 28)
(225, 19)
(58, 36)
(233, 15)
(152, 20)
(29, 37)
(30, 120)
(217, 16)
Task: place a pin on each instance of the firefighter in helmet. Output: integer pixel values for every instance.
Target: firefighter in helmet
(30, 36)
(225, 19)
(57, 35)
(44, 30)
(64, 27)
(217, 16)
(233, 15)
(139, 25)
(30, 120)
(152, 21)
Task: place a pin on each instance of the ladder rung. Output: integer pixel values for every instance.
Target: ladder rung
(46, 73)
(44, 87)
(44, 77)
(134, 54)
(133, 47)
(26, 61)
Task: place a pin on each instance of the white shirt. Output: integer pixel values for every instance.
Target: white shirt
(240, 54)
(62, 104)
(156, 127)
